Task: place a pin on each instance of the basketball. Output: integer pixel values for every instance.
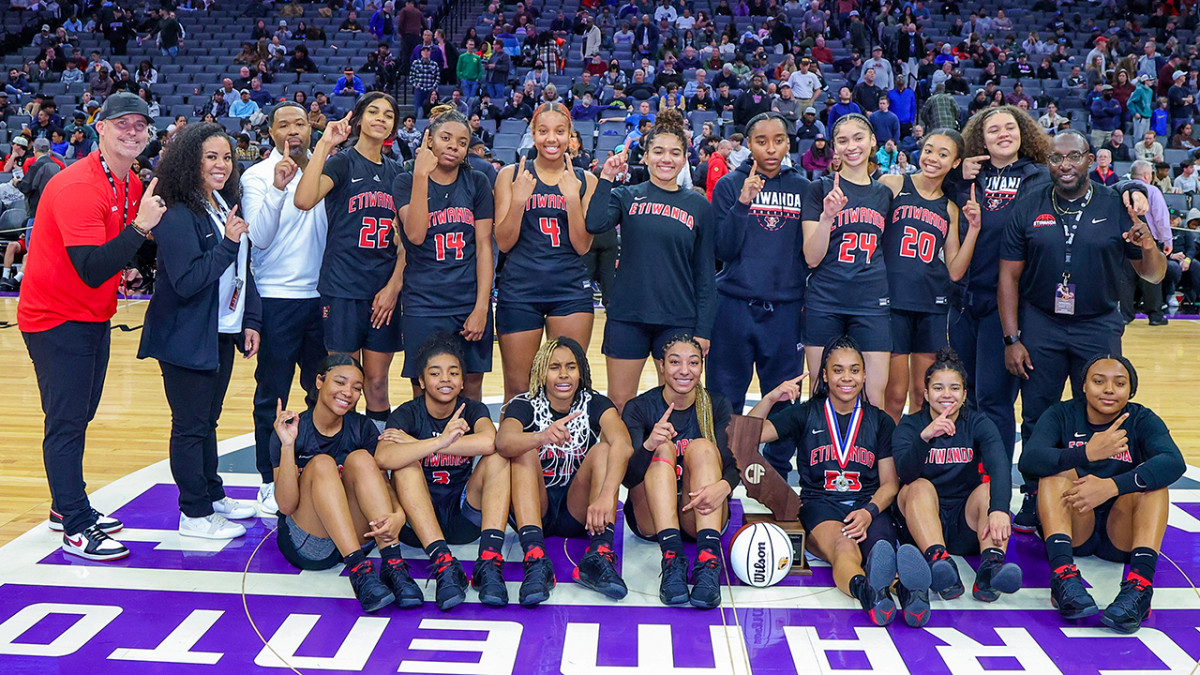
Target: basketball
(761, 554)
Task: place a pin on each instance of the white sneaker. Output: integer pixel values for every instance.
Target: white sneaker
(266, 500)
(209, 527)
(233, 509)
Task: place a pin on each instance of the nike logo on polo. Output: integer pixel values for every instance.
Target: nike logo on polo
(355, 180)
(817, 431)
(1098, 220)
(1079, 435)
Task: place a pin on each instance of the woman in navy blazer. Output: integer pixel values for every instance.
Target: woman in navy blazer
(204, 306)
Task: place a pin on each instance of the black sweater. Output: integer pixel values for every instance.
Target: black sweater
(954, 464)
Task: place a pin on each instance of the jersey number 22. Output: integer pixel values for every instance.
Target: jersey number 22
(374, 232)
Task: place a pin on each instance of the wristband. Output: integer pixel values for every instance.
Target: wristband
(872, 509)
(144, 233)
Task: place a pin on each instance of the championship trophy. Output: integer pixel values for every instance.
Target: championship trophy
(765, 485)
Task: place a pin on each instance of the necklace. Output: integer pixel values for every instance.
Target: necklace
(1066, 212)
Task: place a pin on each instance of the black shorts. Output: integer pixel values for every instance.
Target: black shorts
(459, 520)
(347, 326)
(813, 512)
(634, 340)
(918, 332)
(303, 550)
(558, 521)
(1099, 544)
(477, 355)
(872, 332)
(960, 538)
(518, 317)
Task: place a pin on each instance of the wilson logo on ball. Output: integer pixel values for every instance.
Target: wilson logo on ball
(759, 576)
(755, 473)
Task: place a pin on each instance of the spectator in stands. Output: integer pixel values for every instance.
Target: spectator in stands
(885, 123)
(1075, 80)
(843, 106)
(244, 107)
(351, 25)
(1104, 173)
(884, 77)
(1050, 121)
(787, 105)
(170, 35)
(1162, 177)
(496, 70)
(911, 144)
(751, 102)
(38, 174)
(517, 108)
(902, 102)
(1183, 140)
(809, 127)
(1139, 104)
(43, 126)
(1149, 149)
(1160, 118)
(217, 106)
(1179, 100)
(667, 74)
(349, 84)
(425, 75)
(941, 111)
(1017, 95)
(1183, 263)
(645, 38)
(469, 70)
(1117, 148)
(300, 61)
(866, 93)
(79, 145)
(1186, 182)
(1106, 116)
(381, 25)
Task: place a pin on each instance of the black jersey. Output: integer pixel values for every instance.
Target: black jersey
(1037, 236)
(357, 433)
(360, 255)
(852, 278)
(559, 463)
(667, 268)
(912, 248)
(543, 266)
(957, 464)
(643, 412)
(413, 418)
(439, 275)
(822, 474)
(1059, 443)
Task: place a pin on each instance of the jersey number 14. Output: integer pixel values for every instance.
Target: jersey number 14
(449, 241)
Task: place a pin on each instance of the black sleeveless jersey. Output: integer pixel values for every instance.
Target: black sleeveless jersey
(912, 249)
(852, 278)
(822, 473)
(360, 255)
(543, 266)
(413, 418)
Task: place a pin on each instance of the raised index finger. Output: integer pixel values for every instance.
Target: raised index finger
(232, 213)
(837, 177)
(150, 188)
(800, 379)
(458, 413)
(754, 168)
(972, 192)
(667, 414)
(1120, 420)
(572, 416)
(978, 159)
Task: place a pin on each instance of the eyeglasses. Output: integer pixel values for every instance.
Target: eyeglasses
(1073, 158)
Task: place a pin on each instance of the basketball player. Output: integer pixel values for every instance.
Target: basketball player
(942, 453)
(922, 221)
(430, 445)
(847, 482)
(286, 257)
(330, 491)
(568, 450)
(361, 272)
(1061, 268)
(543, 285)
(445, 211)
(681, 473)
(664, 285)
(760, 289)
(1104, 465)
(843, 239)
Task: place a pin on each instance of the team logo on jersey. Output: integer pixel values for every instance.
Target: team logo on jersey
(951, 456)
(998, 191)
(325, 312)
(1045, 220)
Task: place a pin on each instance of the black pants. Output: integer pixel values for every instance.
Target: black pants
(1152, 296)
(70, 361)
(195, 397)
(601, 261)
(291, 335)
(977, 336)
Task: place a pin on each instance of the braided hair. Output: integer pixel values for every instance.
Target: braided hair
(704, 404)
(336, 359)
(561, 461)
(821, 390)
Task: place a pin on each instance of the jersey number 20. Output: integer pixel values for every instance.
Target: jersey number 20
(549, 226)
(865, 241)
(449, 240)
(917, 244)
(374, 233)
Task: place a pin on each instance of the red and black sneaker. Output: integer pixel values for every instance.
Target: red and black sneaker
(673, 581)
(597, 571)
(452, 581)
(394, 573)
(539, 578)
(488, 579)
(94, 544)
(1068, 595)
(1131, 606)
(370, 590)
(107, 524)
(706, 581)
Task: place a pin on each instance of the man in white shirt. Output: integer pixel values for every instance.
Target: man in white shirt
(288, 245)
(884, 78)
(1186, 182)
(805, 83)
(665, 11)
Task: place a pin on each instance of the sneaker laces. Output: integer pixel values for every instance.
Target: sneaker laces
(535, 553)
(708, 558)
(494, 557)
(607, 553)
(1139, 582)
(1066, 572)
(443, 562)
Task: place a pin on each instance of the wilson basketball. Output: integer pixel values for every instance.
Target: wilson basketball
(761, 554)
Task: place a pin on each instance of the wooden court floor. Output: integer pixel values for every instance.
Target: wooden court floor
(133, 422)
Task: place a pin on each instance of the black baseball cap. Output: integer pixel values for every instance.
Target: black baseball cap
(121, 104)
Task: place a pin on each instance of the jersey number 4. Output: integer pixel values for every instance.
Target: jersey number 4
(917, 244)
(549, 226)
(865, 241)
(374, 233)
(449, 240)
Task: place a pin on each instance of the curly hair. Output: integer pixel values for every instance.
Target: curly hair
(179, 179)
(669, 122)
(437, 344)
(1035, 143)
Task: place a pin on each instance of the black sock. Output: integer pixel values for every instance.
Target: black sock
(490, 540)
(437, 548)
(604, 538)
(935, 553)
(354, 559)
(390, 552)
(531, 537)
(709, 540)
(992, 555)
(1143, 561)
(669, 541)
(1059, 551)
(860, 590)
(378, 415)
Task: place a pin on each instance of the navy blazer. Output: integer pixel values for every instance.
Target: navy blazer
(181, 322)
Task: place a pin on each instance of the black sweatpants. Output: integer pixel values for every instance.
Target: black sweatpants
(70, 361)
(195, 398)
(291, 335)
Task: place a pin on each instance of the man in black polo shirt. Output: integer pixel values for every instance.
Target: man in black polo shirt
(1061, 267)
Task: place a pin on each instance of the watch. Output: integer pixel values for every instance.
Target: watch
(1010, 340)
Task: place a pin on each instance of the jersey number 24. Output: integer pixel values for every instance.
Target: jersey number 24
(865, 241)
(374, 232)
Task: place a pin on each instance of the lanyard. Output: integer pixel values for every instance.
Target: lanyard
(113, 184)
(1069, 229)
